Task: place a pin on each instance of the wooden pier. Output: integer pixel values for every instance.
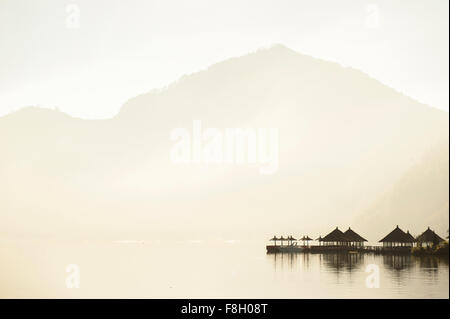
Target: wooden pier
(272, 249)
(396, 242)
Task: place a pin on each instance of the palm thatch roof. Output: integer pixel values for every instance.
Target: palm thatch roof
(319, 239)
(396, 236)
(411, 237)
(274, 238)
(335, 235)
(305, 238)
(291, 238)
(352, 236)
(429, 236)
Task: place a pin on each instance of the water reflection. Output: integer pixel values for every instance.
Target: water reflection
(284, 260)
(37, 270)
(431, 266)
(397, 262)
(398, 269)
(342, 261)
(427, 264)
(304, 261)
(431, 262)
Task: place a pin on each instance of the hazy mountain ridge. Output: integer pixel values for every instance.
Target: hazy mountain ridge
(417, 200)
(344, 140)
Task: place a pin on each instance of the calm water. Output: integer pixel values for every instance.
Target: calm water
(220, 269)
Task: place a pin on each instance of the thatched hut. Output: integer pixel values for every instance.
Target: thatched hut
(354, 238)
(274, 239)
(306, 239)
(411, 238)
(396, 238)
(319, 240)
(281, 239)
(429, 238)
(336, 238)
(290, 240)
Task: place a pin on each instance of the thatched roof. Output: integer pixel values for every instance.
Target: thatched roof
(352, 236)
(411, 237)
(429, 236)
(335, 235)
(319, 239)
(396, 236)
(291, 238)
(305, 238)
(274, 238)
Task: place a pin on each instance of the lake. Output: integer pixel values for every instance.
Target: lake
(208, 269)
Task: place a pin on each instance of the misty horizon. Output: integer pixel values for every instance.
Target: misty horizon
(135, 138)
(224, 149)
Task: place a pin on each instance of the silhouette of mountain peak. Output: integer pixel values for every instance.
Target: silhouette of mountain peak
(279, 48)
(343, 136)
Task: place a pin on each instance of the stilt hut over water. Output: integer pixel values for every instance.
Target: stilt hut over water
(411, 238)
(429, 238)
(336, 238)
(274, 239)
(291, 240)
(281, 239)
(355, 239)
(305, 239)
(319, 240)
(397, 238)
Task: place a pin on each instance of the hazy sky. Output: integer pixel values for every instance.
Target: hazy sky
(122, 48)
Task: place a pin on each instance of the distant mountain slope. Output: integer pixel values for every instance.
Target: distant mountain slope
(344, 140)
(417, 200)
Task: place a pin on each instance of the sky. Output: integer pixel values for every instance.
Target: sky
(87, 57)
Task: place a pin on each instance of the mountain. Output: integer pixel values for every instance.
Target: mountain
(417, 200)
(344, 140)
